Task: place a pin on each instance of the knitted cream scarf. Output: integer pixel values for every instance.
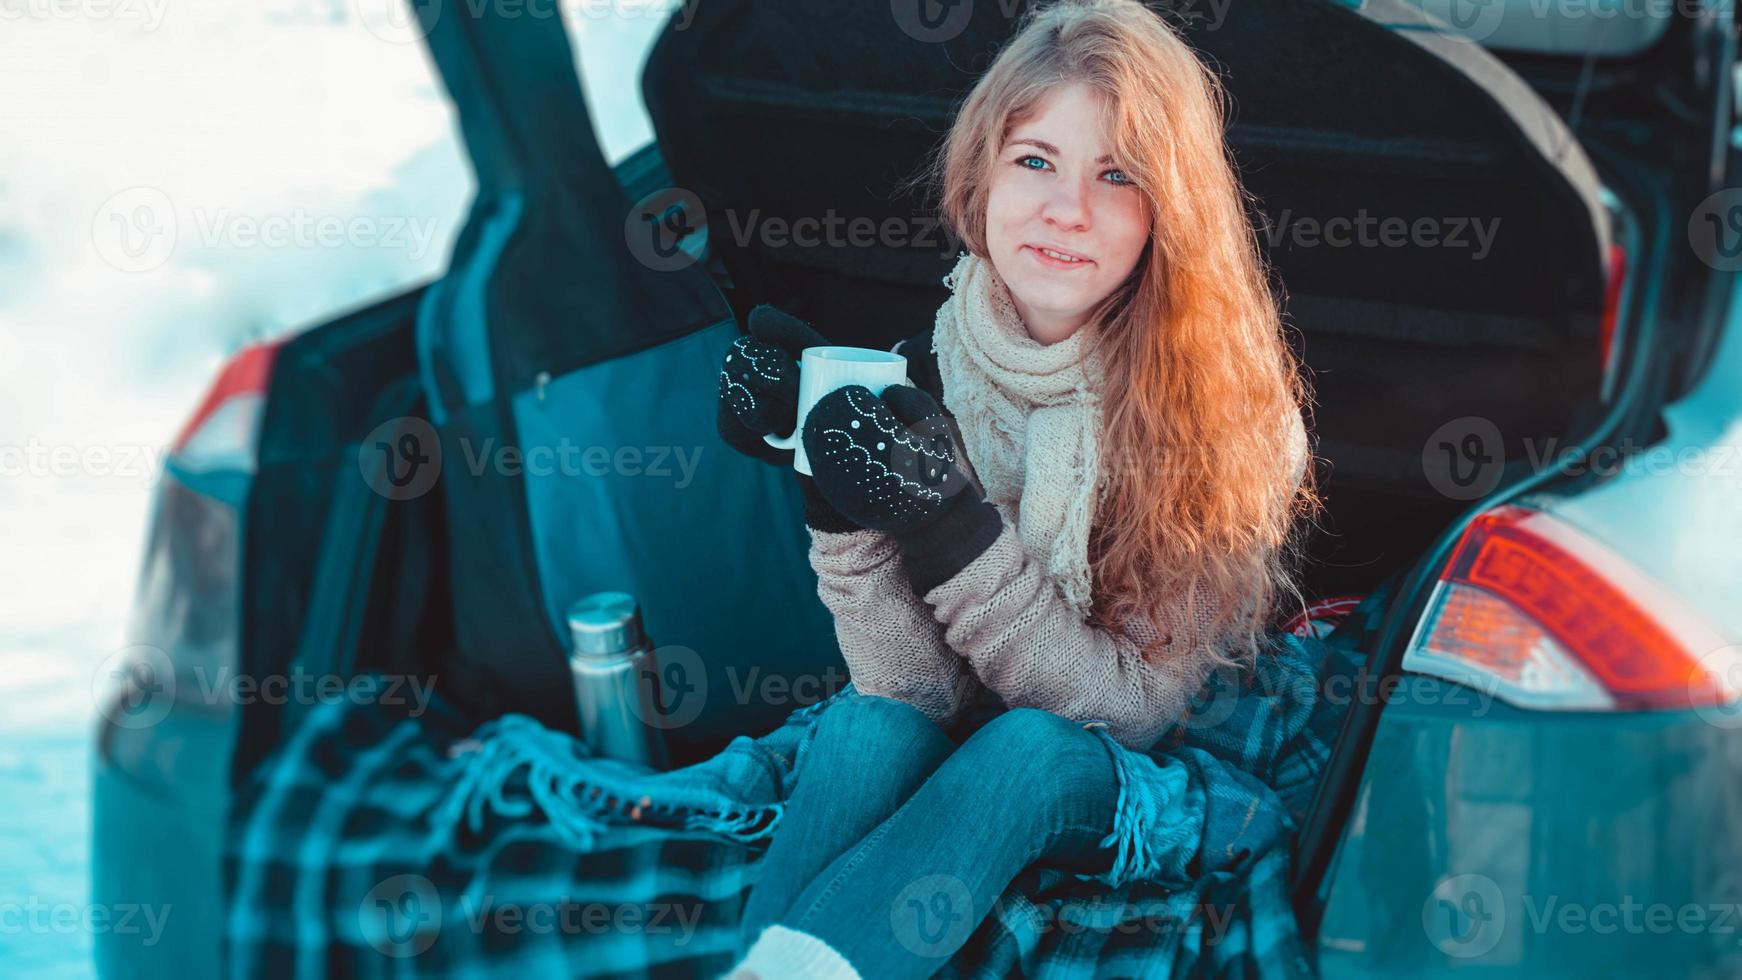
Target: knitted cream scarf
(1030, 417)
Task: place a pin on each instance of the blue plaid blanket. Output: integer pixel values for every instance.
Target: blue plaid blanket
(375, 843)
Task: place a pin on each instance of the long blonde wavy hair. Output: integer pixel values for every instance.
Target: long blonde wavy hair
(1198, 372)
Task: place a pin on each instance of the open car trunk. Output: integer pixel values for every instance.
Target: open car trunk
(548, 331)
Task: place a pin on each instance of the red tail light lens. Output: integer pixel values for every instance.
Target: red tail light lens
(1546, 617)
(221, 432)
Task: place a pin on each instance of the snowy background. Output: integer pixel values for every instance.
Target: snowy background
(243, 118)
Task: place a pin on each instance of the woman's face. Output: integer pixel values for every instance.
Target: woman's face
(1055, 186)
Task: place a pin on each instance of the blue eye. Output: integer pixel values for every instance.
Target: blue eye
(1124, 181)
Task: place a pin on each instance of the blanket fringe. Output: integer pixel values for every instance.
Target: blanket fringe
(1132, 833)
(558, 785)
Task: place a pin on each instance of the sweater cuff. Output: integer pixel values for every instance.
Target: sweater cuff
(781, 952)
(933, 554)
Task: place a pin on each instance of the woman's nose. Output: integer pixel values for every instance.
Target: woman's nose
(1067, 205)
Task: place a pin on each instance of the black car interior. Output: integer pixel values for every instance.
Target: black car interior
(1335, 114)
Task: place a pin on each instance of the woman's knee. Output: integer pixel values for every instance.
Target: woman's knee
(870, 716)
(1029, 730)
(1045, 753)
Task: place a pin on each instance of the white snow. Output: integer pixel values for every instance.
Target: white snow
(178, 177)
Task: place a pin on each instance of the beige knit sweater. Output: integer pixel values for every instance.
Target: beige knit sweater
(998, 625)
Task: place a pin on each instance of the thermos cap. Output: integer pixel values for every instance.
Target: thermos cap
(606, 623)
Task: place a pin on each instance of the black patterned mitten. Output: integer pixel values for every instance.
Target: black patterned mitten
(758, 390)
(759, 395)
(890, 464)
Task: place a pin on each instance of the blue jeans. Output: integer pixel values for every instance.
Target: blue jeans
(895, 844)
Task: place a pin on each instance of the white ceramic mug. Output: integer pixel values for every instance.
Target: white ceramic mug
(822, 370)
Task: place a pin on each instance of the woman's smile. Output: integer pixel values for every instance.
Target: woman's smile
(1055, 259)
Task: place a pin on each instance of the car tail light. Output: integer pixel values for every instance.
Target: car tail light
(1543, 616)
(221, 432)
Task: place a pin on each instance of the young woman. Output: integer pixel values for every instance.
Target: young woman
(1040, 576)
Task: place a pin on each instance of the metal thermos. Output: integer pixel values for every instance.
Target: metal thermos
(616, 680)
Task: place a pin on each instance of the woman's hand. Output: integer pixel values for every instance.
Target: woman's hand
(759, 395)
(890, 463)
(758, 392)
